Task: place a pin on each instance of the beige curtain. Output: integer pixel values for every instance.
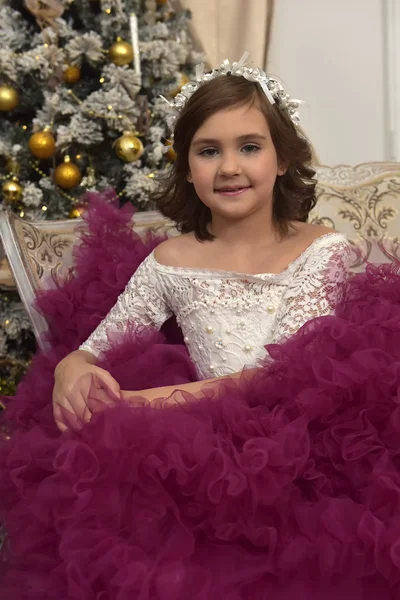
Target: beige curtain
(227, 28)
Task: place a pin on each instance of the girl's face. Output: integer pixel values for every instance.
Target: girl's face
(233, 163)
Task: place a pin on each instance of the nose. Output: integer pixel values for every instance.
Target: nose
(230, 164)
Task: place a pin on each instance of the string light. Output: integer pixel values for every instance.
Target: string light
(8, 384)
(59, 190)
(91, 113)
(37, 57)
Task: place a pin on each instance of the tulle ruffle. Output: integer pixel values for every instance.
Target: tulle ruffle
(285, 486)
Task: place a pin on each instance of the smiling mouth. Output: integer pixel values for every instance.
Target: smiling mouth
(232, 191)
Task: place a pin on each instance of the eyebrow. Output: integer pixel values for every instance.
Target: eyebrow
(242, 138)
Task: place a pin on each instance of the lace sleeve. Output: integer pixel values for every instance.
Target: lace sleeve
(142, 302)
(316, 287)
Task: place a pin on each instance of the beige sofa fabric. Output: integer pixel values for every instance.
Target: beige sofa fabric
(363, 202)
(40, 255)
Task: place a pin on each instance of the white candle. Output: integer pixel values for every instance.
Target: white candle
(133, 24)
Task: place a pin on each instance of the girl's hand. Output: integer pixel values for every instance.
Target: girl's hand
(74, 377)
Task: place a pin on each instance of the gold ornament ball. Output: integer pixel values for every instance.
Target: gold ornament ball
(72, 74)
(76, 212)
(42, 144)
(13, 166)
(67, 175)
(128, 147)
(121, 53)
(182, 80)
(12, 191)
(9, 98)
(171, 154)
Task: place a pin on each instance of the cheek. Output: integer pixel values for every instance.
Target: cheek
(268, 170)
(193, 166)
(202, 174)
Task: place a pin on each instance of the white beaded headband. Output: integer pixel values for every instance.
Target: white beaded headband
(271, 87)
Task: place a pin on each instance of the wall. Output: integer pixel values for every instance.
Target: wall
(392, 44)
(331, 53)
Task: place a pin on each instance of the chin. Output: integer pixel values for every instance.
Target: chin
(233, 214)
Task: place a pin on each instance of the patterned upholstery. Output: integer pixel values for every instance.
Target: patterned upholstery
(40, 254)
(45, 247)
(362, 201)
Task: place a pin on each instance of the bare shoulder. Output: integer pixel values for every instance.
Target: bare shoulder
(309, 232)
(173, 251)
(304, 235)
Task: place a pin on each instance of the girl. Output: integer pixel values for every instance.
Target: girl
(235, 467)
(248, 270)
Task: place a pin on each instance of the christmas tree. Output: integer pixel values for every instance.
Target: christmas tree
(80, 110)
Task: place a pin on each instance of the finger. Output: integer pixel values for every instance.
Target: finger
(61, 407)
(77, 397)
(81, 410)
(76, 417)
(100, 396)
(87, 414)
(109, 381)
(59, 414)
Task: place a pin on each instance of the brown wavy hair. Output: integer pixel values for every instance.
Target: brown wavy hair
(294, 191)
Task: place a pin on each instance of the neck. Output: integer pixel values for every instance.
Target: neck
(251, 231)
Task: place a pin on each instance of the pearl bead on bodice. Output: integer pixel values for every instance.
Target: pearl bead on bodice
(227, 318)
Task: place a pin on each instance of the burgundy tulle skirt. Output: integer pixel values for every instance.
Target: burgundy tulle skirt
(283, 487)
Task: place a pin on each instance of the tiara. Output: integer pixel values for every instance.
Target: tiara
(271, 87)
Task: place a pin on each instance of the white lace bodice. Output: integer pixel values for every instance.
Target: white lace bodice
(226, 317)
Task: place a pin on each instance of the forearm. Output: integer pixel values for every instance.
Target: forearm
(191, 388)
(196, 386)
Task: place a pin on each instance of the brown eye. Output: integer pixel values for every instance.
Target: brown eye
(250, 148)
(208, 152)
